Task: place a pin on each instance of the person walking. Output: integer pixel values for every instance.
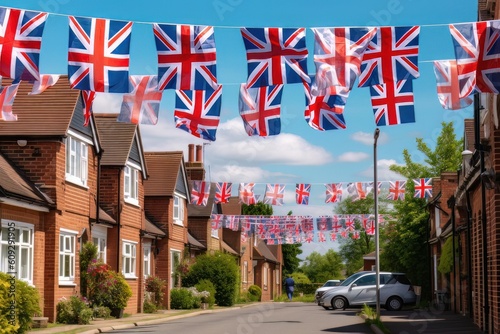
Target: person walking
(290, 286)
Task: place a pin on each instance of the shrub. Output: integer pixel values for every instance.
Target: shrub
(155, 286)
(87, 254)
(26, 304)
(149, 307)
(73, 311)
(183, 298)
(206, 285)
(219, 268)
(254, 293)
(101, 312)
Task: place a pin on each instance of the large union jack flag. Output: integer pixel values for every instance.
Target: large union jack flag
(396, 190)
(337, 55)
(20, 43)
(275, 56)
(200, 192)
(325, 112)
(392, 103)
(478, 43)
(186, 56)
(453, 89)
(7, 96)
(142, 105)
(333, 192)
(423, 188)
(302, 193)
(223, 192)
(198, 111)
(260, 110)
(98, 54)
(391, 55)
(275, 194)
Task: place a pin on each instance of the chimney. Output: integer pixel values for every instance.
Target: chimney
(199, 154)
(191, 153)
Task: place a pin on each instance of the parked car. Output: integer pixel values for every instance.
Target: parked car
(328, 285)
(358, 289)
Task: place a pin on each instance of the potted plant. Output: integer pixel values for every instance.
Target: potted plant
(204, 295)
(120, 293)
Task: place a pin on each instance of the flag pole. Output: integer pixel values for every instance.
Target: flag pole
(375, 200)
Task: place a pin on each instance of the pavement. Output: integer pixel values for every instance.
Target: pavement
(415, 321)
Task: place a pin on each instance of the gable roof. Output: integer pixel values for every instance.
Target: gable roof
(262, 252)
(164, 169)
(200, 210)
(117, 140)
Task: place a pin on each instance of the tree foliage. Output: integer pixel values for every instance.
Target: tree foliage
(320, 268)
(259, 208)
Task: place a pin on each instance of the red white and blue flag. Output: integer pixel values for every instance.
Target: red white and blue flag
(7, 96)
(396, 190)
(216, 221)
(46, 81)
(98, 54)
(392, 103)
(223, 192)
(142, 105)
(247, 195)
(454, 89)
(337, 54)
(275, 56)
(391, 55)
(478, 44)
(198, 111)
(275, 194)
(302, 193)
(260, 110)
(88, 100)
(423, 188)
(325, 112)
(20, 43)
(186, 56)
(359, 190)
(333, 192)
(200, 192)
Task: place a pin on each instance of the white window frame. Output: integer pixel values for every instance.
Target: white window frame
(179, 208)
(245, 272)
(67, 238)
(147, 260)
(76, 160)
(172, 267)
(130, 257)
(131, 184)
(277, 274)
(265, 280)
(100, 234)
(20, 246)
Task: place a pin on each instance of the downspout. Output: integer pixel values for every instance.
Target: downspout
(454, 255)
(118, 222)
(469, 256)
(98, 197)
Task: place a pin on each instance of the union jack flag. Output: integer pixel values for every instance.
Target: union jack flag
(7, 96)
(324, 112)
(142, 105)
(222, 192)
(302, 192)
(186, 56)
(370, 227)
(333, 192)
(45, 81)
(453, 89)
(349, 223)
(260, 110)
(337, 55)
(88, 99)
(275, 56)
(98, 54)
(324, 223)
(336, 226)
(247, 195)
(333, 236)
(355, 235)
(396, 190)
(392, 103)
(321, 236)
(231, 222)
(198, 111)
(423, 188)
(20, 43)
(478, 43)
(391, 55)
(274, 194)
(217, 220)
(200, 192)
(358, 190)
(344, 234)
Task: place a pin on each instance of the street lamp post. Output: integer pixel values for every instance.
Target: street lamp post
(375, 199)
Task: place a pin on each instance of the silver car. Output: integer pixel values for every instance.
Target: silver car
(360, 288)
(328, 285)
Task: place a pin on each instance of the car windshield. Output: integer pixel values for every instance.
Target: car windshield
(350, 279)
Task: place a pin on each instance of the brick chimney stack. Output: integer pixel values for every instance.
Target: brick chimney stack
(191, 153)
(199, 153)
(194, 168)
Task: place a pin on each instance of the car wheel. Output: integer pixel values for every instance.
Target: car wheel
(339, 303)
(394, 304)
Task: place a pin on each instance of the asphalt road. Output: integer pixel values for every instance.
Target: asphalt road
(277, 318)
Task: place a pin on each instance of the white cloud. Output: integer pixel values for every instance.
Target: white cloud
(236, 174)
(353, 156)
(383, 171)
(367, 138)
(107, 103)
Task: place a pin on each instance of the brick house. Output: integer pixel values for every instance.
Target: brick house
(166, 198)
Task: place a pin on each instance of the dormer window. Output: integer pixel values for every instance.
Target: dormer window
(76, 161)
(131, 192)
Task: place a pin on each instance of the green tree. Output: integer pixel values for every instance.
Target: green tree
(258, 209)
(291, 260)
(320, 268)
(406, 248)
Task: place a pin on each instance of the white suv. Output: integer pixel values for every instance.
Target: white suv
(328, 285)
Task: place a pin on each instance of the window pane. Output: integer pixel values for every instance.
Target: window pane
(127, 265)
(61, 243)
(24, 263)
(26, 236)
(67, 264)
(61, 265)
(4, 265)
(4, 233)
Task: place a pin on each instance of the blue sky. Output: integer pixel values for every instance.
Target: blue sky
(299, 154)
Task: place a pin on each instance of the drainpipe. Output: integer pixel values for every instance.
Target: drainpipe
(469, 256)
(118, 222)
(98, 197)
(454, 255)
